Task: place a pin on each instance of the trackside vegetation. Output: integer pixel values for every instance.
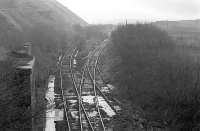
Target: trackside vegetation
(155, 75)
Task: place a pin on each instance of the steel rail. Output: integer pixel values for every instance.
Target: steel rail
(80, 92)
(104, 83)
(63, 98)
(74, 83)
(94, 88)
(62, 92)
(104, 96)
(97, 100)
(101, 75)
(78, 95)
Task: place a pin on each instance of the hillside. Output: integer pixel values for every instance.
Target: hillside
(19, 18)
(30, 12)
(49, 26)
(185, 31)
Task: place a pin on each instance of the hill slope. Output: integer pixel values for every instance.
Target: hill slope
(185, 31)
(23, 16)
(29, 12)
(49, 26)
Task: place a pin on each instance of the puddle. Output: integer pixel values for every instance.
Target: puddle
(102, 103)
(106, 107)
(88, 99)
(53, 114)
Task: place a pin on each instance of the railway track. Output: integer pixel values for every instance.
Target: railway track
(82, 93)
(75, 114)
(83, 100)
(94, 69)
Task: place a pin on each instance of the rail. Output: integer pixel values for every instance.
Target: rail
(78, 87)
(78, 96)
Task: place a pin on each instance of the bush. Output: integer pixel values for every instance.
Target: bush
(153, 72)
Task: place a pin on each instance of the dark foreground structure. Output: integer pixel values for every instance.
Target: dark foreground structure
(25, 81)
(22, 90)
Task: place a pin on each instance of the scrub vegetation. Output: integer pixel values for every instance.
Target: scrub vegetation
(154, 75)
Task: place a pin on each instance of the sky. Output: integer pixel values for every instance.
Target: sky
(118, 11)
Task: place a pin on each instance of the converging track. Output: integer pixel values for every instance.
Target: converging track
(81, 93)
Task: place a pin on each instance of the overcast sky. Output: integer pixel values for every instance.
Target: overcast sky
(116, 11)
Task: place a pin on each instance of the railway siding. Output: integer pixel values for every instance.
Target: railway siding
(85, 105)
